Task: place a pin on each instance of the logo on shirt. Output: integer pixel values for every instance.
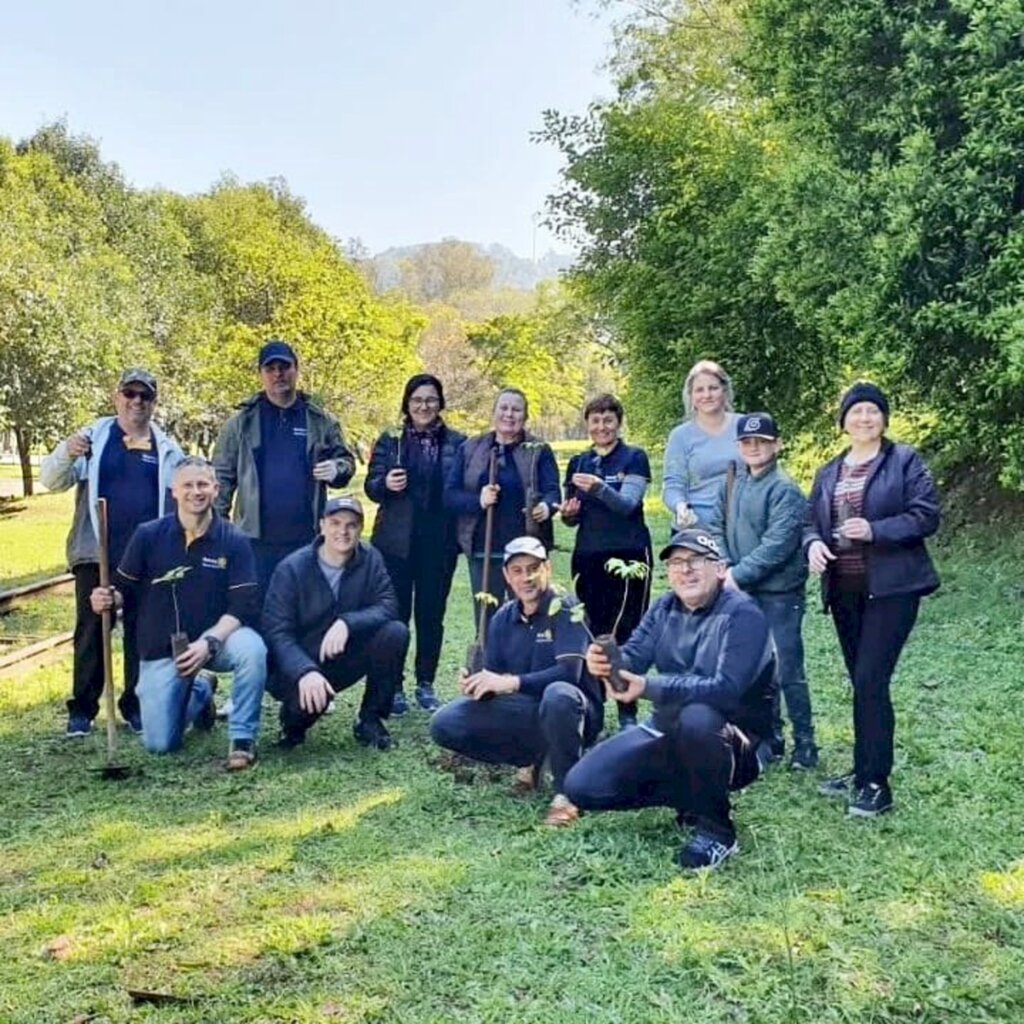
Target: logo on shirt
(299, 431)
(215, 563)
(544, 636)
(150, 460)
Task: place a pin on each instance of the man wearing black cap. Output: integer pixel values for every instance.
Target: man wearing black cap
(533, 700)
(712, 692)
(275, 459)
(128, 460)
(330, 618)
(758, 523)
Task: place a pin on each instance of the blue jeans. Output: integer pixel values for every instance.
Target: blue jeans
(785, 615)
(170, 703)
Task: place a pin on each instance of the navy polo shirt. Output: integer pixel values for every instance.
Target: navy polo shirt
(601, 529)
(130, 481)
(286, 476)
(221, 579)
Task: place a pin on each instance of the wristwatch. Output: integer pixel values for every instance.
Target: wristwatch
(213, 644)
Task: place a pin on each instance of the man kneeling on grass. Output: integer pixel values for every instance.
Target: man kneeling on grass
(330, 618)
(712, 698)
(545, 705)
(211, 603)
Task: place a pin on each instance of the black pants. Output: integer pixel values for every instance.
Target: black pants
(602, 594)
(379, 656)
(87, 679)
(691, 767)
(520, 729)
(422, 582)
(872, 633)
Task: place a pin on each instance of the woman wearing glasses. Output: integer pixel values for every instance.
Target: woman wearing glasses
(412, 530)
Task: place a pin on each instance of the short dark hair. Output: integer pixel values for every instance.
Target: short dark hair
(604, 403)
(418, 381)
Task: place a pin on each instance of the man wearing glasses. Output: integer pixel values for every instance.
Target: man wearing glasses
(128, 460)
(275, 459)
(712, 686)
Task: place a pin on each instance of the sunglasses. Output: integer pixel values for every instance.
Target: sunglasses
(131, 395)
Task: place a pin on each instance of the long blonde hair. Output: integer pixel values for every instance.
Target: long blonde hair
(715, 370)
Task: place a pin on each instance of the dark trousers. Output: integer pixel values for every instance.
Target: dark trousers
(495, 582)
(602, 594)
(267, 557)
(422, 582)
(872, 634)
(691, 768)
(519, 729)
(379, 656)
(87, 678)
(785, 615)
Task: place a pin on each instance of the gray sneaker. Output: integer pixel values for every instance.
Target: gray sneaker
(804, 757)
(839, 787)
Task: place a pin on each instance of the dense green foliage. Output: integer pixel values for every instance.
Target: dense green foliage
(809, 192)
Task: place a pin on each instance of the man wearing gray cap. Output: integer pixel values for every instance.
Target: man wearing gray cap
(330, 618)
(275, 458)
(129, 460)
(712, 689)
(533, 700)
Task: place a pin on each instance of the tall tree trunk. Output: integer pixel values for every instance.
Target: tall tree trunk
(24, 439)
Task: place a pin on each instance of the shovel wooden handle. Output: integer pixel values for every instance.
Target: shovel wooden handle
(108, 654)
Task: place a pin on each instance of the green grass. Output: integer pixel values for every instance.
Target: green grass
(33, 532)
(332, 884)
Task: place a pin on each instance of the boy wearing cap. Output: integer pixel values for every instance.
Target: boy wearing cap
(214, 604)
(712, 688)
(275, 459)
(330, 618)
(129, 460)
(533, 700)
(758, 523)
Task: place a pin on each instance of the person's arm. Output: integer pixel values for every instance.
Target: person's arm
(280, 625)
(336, 448)
(380, 462)
(811, 531)
(570, 645)
(457, 500)
(638, 652)
(717, 522)
(922, 515)
(243, 592)
(675, 485)
(625, 501)
(779, 542)
(225, 464)
(63, 468)
(740, 658)
(570, 506)
(381, 604)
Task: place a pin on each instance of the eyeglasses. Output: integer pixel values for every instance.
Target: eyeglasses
(694, 564)
(145, 396)
(425, 403)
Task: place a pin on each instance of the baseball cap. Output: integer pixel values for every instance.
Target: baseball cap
(136, 375)
(692, 540)
(277, 349)
(524, 546)
(345, 503)
(757, 424)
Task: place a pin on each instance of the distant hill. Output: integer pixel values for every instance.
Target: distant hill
(510, 270)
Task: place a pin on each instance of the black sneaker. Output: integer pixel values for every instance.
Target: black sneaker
(706, 851)
(872, 800)
(627, 719)
(133, 719)
(399, 705)
(804, 757)
(426, 698)
(777, 748)
(78, 725)
(372, 733)
(207, 718)
(839, 787)
(290, 740)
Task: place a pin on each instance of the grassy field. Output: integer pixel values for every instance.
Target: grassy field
(334, 884)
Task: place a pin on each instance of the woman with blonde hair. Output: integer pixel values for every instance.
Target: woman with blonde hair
(700, 450)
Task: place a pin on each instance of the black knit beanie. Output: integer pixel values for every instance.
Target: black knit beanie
(863, 391)
(417, 382)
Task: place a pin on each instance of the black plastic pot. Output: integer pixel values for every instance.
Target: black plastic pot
(610, 649)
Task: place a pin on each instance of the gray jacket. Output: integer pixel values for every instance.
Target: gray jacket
(59, 471)
(761, 532)
(234, 458)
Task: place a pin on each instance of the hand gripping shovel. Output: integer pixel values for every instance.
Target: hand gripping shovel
(112, 769)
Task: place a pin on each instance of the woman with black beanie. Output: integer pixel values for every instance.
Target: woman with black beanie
(869, 513)
(412, 530)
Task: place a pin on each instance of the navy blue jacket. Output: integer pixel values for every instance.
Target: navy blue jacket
(902, 506)
(300, 606)
(720, 655)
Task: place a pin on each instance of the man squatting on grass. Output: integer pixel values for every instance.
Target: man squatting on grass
(533, 700)
(759, 523)
(330, 618)
(128, 460)
(216, 599)
(712, 698)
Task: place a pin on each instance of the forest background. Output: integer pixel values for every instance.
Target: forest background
(807, 192)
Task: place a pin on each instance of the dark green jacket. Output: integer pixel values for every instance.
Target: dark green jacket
(762, 530)
(235, 461)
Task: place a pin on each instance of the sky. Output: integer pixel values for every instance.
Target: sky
(398, 122)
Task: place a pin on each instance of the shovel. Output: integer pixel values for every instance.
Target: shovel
(112, 769)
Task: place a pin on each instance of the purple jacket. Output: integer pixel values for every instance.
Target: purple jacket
(902, 506)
